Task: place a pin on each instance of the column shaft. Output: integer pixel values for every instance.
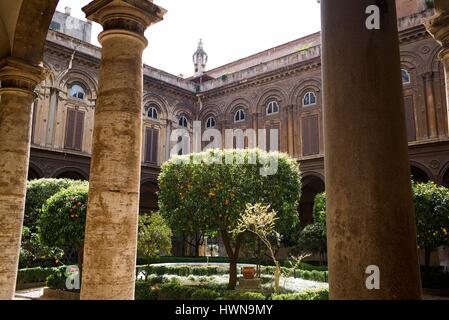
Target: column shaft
(15, 135)
(369, 199)
(111, 227)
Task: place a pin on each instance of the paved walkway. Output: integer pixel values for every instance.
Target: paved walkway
(29, 294)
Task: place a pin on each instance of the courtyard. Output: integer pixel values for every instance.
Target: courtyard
(314, 170)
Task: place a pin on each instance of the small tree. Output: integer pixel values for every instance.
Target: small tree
(38, 192)
(259, 220)
(205, 193)
(63, 219)
(313, 238)
(432, 216)
(154, 236)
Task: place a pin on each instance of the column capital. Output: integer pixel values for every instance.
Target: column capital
(438, 27)
(17, 74)
(131, 15)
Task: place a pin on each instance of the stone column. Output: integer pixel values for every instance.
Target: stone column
(438, 27)
(18, 80)
(369, 198)
(111, 226)
(50, 139)
(432, 124)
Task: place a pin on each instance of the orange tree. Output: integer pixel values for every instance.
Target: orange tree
(207, 193)
(432, 216)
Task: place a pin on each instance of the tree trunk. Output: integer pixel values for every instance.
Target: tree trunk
(232, 274)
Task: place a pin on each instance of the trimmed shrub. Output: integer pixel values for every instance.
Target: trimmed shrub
(205, 294)
(38, 192)
(63, 218)
(36, 275)
(236, 295)
(144, 291)
(175, 291)
(322, 294)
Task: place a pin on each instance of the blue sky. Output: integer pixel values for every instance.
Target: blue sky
(231, 29)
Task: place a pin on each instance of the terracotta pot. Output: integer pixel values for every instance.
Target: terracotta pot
(248, 272)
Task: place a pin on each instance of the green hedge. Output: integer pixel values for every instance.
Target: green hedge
(38, 274)
(322, 294)
(176, 291)
(184, 271)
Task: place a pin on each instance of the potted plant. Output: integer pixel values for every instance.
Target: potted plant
(248, 272)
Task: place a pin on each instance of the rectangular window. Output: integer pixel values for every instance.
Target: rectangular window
(275, 145)
(74, 130)
(310, 136)
(151, 145)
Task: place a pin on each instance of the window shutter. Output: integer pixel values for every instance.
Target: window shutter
(310, 136)
(410, 118)
(79, 128)
(74, 130)
(151, 147)
(70, 128)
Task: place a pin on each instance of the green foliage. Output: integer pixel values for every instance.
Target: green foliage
(38, 192)
(33, 252)
(202, 197)
(63, 218)
(155, 236)
(319, 209)
(175, 291)
(144, 291)
(432, 214)
(35, 275)
(182, 271)
(57, 280)
(236, 295)
(205, 294)
(313, 239)
(305, 295)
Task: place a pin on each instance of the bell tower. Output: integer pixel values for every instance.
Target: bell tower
(200, 60)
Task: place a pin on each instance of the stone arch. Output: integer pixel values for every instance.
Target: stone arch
(71, 173)
(148, 196)
(445, 175)
(160, 102)
(67, 78)
(434, 63)
(26, 24)
(312, 184)
(239, 103)
(274, 93)
(412, 61)
(34, 172)
(298, 92)
(419, 172)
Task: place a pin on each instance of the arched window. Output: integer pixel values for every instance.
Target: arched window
(273, 107)
(309, 99)
(239, 116)
(405, 76)
(183, 122)
(152, 112)
(210, 122)
(77, 91)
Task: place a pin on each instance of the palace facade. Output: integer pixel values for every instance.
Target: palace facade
(279, 88)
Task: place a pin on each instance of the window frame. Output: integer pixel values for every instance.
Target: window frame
(152, 106)
(309, 94)
(83, 91)
(214, 122)
(272, 104)
(242, 112)
(408, 74)
(181, 122)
